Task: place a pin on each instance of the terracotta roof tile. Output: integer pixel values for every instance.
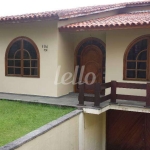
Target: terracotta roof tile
(81, 11)
(29, 17)
(131, 19)
(71, 13)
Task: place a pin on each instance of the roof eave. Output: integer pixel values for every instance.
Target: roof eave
(82, 29)
(29, 19)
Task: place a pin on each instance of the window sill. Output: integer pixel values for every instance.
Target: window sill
(137, 79)
(22, 76)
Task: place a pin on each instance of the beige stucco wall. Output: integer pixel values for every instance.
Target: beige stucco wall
(65, 62)
(41, 33)
(95, 132)
(116, 44)
(61, 50)
(66, 51)
(63, 137)
(82, 132)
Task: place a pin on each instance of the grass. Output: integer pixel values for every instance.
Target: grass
(20, 118)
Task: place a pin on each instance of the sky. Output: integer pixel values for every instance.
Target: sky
(16, 7)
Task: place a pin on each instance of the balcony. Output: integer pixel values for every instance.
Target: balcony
(113, 99)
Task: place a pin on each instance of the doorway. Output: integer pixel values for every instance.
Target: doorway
(90, 58)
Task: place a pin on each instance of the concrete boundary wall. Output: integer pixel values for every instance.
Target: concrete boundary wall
(34, 135)
(79, 130)
(74, 131)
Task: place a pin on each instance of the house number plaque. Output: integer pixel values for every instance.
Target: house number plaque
(45, 47)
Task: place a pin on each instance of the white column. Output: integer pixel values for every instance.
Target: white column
(81, 131)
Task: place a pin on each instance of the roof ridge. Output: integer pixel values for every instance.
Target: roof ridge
(81, 11)
(140, 11)
(112, 4)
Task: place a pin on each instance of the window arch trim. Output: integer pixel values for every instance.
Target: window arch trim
(138, 39)
(21, 38)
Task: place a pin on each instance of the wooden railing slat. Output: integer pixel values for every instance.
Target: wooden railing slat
(131, 85)
(105, 98)
(89, 87)
(105, 85)
(88, 99)
(131, 97)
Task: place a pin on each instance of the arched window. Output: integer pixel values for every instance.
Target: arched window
(22, 58)
(137, 60)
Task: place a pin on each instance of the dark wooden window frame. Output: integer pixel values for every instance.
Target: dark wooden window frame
(147, 61)
(21, 38)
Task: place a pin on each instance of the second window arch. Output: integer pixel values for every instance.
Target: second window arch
(137, 60)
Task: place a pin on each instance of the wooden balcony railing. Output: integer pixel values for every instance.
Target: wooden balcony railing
(113, 96)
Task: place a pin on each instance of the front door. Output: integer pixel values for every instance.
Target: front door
(127, 130)
(91, 60)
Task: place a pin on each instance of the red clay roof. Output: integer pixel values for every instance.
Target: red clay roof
(120, 20)
(82, 11)
(71, 13)
(30, 17)
(62, 14)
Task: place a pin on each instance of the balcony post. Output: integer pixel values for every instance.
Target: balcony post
(113, 92)
(97, 90)
(81, 94)
(148, 95)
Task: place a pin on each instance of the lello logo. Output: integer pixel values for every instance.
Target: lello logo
(71, 78)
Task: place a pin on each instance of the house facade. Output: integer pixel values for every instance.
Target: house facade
(59, 39)
(40, 53)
